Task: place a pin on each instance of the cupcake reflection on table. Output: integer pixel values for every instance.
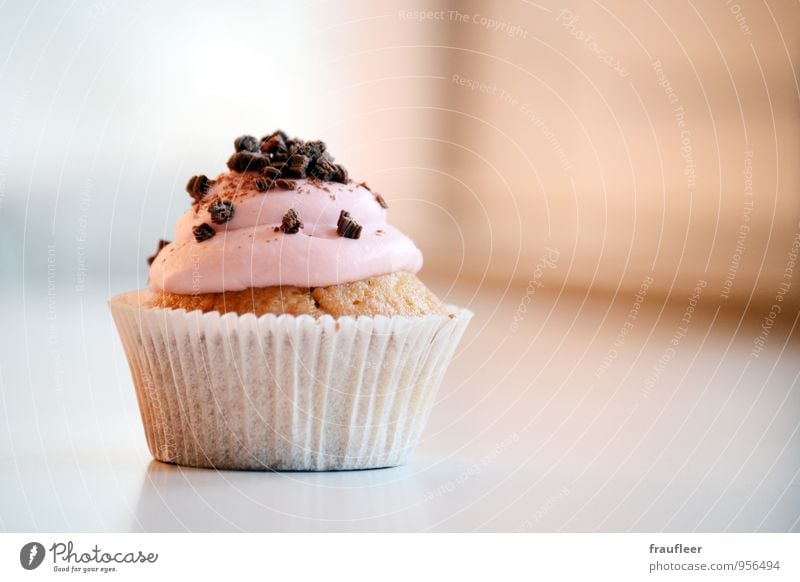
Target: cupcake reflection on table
(285, 327)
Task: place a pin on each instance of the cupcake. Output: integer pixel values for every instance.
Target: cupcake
(285, 327)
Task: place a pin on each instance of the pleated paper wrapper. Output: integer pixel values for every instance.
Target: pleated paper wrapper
(284, 392)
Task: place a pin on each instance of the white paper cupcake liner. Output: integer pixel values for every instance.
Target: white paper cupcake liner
(284, 392)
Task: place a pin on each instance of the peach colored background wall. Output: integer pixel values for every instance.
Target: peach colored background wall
(637, 139)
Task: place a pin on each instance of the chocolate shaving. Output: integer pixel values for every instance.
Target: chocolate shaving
(203, 232)
(381, 200)
(246, 161)
(278, 134)
(312, 149)
(340, 175)
(271, 172)
(221, 211)
(278, 156)
(161, 244)
(322, 168)
(291, 223)
(347, 227)
(198, 187)
(274, 145)
(280, 160)
(246, 143)
(296, 167)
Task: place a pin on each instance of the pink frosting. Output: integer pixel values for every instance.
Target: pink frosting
(248, 252)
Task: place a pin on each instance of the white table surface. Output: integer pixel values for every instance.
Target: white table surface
(525, 435)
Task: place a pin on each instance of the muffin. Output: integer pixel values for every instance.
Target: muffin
(285, 327)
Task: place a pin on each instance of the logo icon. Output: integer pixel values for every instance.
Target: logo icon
(31, 555)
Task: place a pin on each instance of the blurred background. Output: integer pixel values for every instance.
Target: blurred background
(612, 187)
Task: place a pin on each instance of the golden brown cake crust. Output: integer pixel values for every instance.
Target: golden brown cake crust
(394, 294)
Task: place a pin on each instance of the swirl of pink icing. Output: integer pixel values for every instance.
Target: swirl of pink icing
(247, 251)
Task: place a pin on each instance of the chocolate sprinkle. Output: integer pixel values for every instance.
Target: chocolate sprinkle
(323, 169)
(278, 134)
(340, 175)
(271, 172)
(203, 232)
(278, 156)
(246, 143)
(246, 161)
(313, 149)
(274, 145)
(221, 211)
(286, 184)
(198, 187)
(291, 223)
(381, 200)
(347, 227)
(261, 184)
(296, 167)
(161, 244)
